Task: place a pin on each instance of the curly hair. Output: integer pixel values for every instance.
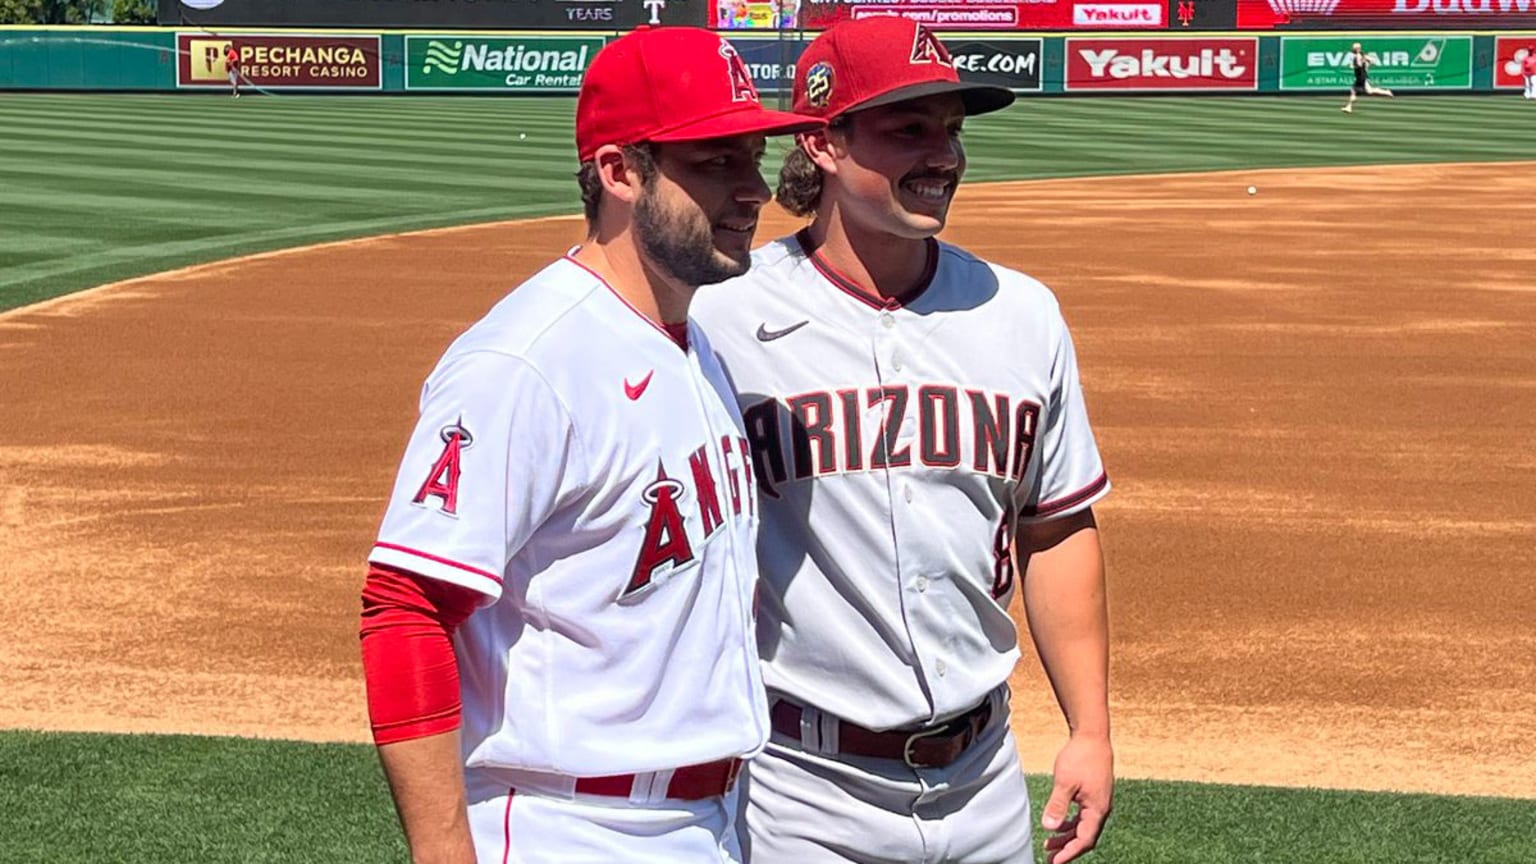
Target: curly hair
(641, 157)
(799, 189)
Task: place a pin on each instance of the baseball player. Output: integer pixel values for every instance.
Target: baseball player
(1528, 70)
(232, 66)
(1362, 85)
(566, 566)
(921, 445)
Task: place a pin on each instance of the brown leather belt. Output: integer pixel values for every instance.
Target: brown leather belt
(925, 747)
(689, 783)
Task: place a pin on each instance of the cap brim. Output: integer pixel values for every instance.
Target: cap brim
(744, 121)
(978, 98)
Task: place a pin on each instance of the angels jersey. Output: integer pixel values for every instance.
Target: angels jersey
(590, 479)
(895, 444)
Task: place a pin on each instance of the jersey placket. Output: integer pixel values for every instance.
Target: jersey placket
(893, 362)
(704, 397)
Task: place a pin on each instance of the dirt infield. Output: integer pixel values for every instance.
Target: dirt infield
(1318, 406)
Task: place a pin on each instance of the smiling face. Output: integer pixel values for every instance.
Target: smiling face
(697, 215)
(897, 166)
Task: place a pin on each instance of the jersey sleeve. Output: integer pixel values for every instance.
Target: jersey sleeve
(1071, 475)
(492, 454)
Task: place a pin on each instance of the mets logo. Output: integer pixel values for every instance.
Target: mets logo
(818, 85)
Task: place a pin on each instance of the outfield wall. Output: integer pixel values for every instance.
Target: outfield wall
(545, 62)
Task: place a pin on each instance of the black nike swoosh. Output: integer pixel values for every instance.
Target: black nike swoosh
(766, 335)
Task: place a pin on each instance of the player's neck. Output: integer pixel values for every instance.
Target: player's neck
(885, 264)
(654, 293)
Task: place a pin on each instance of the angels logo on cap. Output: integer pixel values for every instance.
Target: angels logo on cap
(742, 89)
(818, 85)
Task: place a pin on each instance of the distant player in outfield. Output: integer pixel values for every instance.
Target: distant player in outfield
(1528, 69)
(232, 63)
(1362, 85)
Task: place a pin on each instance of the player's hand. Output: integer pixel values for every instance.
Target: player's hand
(1085, 776)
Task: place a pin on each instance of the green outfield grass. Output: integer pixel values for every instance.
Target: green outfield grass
(81, 799)
(95, 188)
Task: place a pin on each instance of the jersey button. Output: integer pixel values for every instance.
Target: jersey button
(922, 584)
(908, 493)
(896, 364)
(886, 320)
(940, 668)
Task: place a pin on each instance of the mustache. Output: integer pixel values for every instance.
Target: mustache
(941, 176)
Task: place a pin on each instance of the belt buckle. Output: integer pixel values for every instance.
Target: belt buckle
(906, 749)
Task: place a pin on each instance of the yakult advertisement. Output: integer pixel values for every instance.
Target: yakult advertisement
(1162, 64)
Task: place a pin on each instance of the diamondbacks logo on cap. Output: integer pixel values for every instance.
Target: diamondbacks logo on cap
(926, 48)
(741, 80)
(818, 85)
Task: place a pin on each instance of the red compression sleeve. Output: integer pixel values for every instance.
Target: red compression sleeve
(408, 662)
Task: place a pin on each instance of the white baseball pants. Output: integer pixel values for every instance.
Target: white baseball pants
(522, 827)
(808, 808)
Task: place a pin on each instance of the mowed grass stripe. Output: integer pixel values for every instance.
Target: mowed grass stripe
(283, 182)
(165, 254)
(295, 169)
(73, 799)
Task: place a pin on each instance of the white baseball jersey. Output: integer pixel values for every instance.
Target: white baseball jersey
(591, 479)
(894, 443)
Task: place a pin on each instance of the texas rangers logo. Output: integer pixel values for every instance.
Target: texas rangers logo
(926, 48)
(443, 480)
(741, 79)
(818, 85)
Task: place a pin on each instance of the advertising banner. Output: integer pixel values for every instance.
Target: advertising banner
(289, 61)
(1508, 53)
(1408, 62)
(1172, 64)
(770, 62)
(943, 14)
(1011, 63)
(520, 64)
(438, 15)
(1401, 14)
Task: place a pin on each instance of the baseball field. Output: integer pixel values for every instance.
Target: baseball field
(1317, 403)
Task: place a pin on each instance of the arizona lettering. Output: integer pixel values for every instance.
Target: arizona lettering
(845, 431)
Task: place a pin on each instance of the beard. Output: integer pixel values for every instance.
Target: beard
(681, 240)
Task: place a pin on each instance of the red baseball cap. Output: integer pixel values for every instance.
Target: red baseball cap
(672, 84)
(868, 62)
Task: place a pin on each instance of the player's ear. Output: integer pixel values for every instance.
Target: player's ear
(618, 178)
(821, 148)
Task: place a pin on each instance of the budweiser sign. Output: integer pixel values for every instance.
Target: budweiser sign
(1162, 64)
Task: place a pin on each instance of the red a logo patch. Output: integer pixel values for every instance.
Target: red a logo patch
(443, 480)
(926, 48)
(666, 540)
(741, 79)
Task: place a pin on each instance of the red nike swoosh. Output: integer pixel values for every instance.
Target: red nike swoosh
(633, 391)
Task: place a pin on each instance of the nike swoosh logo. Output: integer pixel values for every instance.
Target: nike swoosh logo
(766, 335)
(633, 391)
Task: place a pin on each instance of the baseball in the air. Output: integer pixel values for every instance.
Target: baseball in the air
(1253, 190)
(522, 135)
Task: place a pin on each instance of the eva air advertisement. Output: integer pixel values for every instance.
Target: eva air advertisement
(1406, 62)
